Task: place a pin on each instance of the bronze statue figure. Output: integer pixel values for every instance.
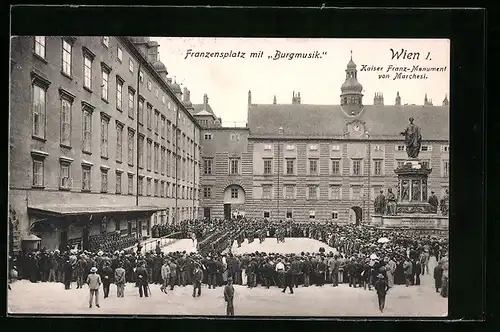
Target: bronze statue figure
(391, 203)
(380, 203)
(413, 139)
(445, 203)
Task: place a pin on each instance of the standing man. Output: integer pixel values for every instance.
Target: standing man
(106, 275)
(408, 271)
(438, 276)
(173, 274)
(142, 280)
(68, 274)
(229, 296)
(120, 280)
(288, 280)
(197, 277)
(280, 269)
(381, 287)
(211, 273)
(391, 268)
(165, 275)
(94, 282)
(158, 248)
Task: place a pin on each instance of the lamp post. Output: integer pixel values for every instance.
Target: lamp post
(369, 174)
(280, 132)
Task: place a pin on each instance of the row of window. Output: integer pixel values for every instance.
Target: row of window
(234, 166)
(314, 147)
(335, 166)
(289, 192)
(39, 98)
(289, 214)
(161, 188)
(312, 193)
(39, 104)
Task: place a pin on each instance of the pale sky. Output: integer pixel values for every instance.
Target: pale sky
(227, 81)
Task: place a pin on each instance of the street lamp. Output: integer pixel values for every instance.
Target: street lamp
(280, 132)
(367, 134)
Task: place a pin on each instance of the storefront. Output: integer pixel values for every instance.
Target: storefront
(90, 228)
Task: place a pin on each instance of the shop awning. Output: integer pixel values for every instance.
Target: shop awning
(73, 210)
(31, 237)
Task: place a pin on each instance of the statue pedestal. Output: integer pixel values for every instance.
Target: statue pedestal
(413, 210)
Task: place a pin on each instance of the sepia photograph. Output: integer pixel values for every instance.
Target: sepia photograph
(186, 176)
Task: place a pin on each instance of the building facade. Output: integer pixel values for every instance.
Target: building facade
(316, 162)
(102, 146)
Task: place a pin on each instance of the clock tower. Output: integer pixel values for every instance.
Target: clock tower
(351, 97)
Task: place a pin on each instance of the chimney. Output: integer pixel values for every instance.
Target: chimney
(298, 98)
(274, 100)
(446, 102)
(249, 97)
(185, 97)
(153, 51)
(398, 99)
(378, 99)
(205, 101)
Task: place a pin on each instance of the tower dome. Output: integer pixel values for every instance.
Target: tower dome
(351, 85)
(351, 90)
(159, 66)
(351, 64)
(176, 88)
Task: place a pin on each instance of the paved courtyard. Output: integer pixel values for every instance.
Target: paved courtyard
(291, 245)
(52, 298)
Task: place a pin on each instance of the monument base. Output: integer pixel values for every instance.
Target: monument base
(426, 222)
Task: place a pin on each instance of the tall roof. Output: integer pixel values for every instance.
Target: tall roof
(381, 121)
(201, 107)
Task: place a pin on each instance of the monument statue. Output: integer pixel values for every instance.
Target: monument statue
(444, 203)
(413, 139)
(415, 190)
(380, 203)
(405, 191)
(433, 201)
(391, 203)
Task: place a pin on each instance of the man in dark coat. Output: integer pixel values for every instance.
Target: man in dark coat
(68, 274)
(320, 272)
(267, 273)
(229, 296)
(173, 274)
(212, 273)
(142, 280)
(107, 278)
(197, 277)
(306, 270)
(288, 280)
(296, 271)
(351, 272)
(438, 276)
(381, 287)
(417, 272)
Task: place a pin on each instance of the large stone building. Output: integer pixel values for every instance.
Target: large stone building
(323, 162)
(101, 144)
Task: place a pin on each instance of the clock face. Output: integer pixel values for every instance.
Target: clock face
(357, 129)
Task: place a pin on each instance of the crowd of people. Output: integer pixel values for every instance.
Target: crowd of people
(364, 257)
